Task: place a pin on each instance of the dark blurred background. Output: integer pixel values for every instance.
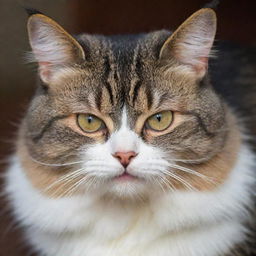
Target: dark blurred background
(236, 23)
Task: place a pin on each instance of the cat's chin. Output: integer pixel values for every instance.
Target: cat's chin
(127, 187)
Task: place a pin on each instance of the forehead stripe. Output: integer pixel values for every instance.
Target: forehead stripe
(98, 99)
(136, 91)
(138, 72)
(149, 97)
(106, 76)
(109, 89)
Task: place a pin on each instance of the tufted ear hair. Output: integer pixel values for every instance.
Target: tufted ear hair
(52, 47)
(191, 43)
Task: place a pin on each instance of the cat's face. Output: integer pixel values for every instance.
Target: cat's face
(122, 116)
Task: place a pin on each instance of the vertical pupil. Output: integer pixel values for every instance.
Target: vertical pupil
(89, 119)
(159, 117)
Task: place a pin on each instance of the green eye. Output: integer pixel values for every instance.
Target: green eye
(89, 123)
(160, 121)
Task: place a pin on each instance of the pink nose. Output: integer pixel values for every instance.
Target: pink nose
(125, 157)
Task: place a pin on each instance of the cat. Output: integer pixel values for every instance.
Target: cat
(127, 148)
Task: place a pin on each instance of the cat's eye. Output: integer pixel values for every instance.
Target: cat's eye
(160, 121)
(89, 123)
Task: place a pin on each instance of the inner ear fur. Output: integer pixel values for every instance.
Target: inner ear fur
(52, 46)
(191, 43)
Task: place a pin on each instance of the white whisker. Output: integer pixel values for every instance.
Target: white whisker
(73, 188)
(167, 182)
(178, 178)
(55, 165)
(187, 170)
(159, 183)
(69, 177)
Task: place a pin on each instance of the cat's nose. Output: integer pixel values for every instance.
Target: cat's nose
(125, 157)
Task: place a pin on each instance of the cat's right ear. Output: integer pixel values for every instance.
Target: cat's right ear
(52, 47)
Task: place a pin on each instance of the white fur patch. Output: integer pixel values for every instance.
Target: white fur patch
(124, 140)
(177, 223)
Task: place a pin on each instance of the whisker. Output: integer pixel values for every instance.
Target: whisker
(178, 178)
(62, 194)
(198, 160)
(168, 183)
(159, 183)
(187, 170)
(173, 175)
(191, 161)
(89, 179)
(55, 165)
(65, 178)
(73, 188)
(159, 163)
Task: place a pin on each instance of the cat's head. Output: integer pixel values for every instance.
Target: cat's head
(124, 116)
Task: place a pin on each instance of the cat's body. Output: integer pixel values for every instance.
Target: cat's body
(175, 224)
(181, 189)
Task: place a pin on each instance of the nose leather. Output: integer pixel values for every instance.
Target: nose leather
(125, 157)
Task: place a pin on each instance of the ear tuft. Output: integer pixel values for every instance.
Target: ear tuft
(213, 4)
(32, 11)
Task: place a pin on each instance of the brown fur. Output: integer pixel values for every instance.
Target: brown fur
(146, 75)
(217, 168)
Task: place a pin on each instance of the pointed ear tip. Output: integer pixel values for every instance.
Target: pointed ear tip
(32, 18)
(206, 14)
(38, 18)
(209, 12)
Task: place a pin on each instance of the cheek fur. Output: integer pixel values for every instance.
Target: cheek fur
(98, 161)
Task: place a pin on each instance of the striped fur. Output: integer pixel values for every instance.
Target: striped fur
(200, 160)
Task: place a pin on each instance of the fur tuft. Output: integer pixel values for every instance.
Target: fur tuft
(32, 11)
(213, 4)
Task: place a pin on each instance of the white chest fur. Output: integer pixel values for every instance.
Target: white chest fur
(177, 224)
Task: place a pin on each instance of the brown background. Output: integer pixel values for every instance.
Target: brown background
(236, 22)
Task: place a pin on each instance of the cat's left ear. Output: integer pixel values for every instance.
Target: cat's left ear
(53, 48)
(191, 43)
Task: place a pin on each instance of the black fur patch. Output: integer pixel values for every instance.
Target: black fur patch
(32, 11)
(213, 4)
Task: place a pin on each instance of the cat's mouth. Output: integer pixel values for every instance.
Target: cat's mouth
(125, 176)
